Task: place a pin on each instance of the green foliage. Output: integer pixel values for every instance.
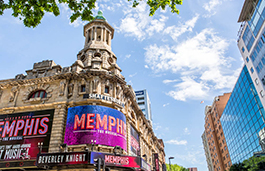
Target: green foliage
(175, 167)
(32, 11)
(251, 164)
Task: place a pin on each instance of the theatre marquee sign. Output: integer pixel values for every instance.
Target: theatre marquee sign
(69, 158)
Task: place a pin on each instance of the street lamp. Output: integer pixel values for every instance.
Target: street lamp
(170, 163)
(40, 144)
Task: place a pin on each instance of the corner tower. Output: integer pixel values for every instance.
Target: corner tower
(97, 54)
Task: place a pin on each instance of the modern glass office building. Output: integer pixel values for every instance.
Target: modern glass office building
(243, 120)
(251, 42)
(144, 103)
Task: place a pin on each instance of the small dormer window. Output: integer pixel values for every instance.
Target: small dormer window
(39, 93)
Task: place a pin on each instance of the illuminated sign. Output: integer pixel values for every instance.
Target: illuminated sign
(103, 97)
(138, 93)
(68, 158)
(156, 161)
(135, 145)
(119, 161)
(145, 166)
(21, 132)
(102, 125)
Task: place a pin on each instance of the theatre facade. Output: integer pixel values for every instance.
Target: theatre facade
(81, 117)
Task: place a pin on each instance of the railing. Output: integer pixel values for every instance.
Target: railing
(239, 33)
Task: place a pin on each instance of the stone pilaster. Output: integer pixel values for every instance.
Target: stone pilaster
(128, 134)
(58, 125)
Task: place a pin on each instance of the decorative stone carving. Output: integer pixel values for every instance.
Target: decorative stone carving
(1, 92)
(95, 84)
(62, 88)
(8, 111)
(13, 93)
(20, 77)
(66, 69)
(89, 58)
(70, 89)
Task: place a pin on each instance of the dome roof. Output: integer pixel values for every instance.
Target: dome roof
(100, 16)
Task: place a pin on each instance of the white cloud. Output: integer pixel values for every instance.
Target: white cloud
(211, 6)
(77, 22)
(170, 81)
(192, 157)
(164, 105)
(137, 22)
(132, 75)
(189, 88)
(156, 25)
(177, 142)
(199, 60)
(186, 131)
(146, 66)
(127, 56)
(176, 31)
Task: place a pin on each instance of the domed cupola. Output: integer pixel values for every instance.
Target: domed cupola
(98, 33)
(97, 54)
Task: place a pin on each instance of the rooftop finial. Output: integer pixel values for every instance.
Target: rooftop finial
(100, 16)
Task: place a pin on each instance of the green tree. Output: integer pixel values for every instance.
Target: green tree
(251, 164)
(32, 11)
(175, 167)
(254, 163)
(238, 167)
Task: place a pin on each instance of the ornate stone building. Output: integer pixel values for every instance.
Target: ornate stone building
(41, 119)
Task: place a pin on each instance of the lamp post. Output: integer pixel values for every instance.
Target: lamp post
(40, 144)
(170, 163)
(92, 144)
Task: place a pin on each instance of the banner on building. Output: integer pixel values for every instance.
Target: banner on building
(145, 166)
(66, 158)
(95, 124)
(113, 160)
(21, 132)
(156, 161)
(135, 142)
(138, 93)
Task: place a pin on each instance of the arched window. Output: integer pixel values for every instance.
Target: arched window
(38, 93)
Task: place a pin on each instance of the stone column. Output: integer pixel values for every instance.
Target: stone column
(86, 41)
(57, 133)
(105, 34)
(101, 34)
(109, 39)
(95, 33)
(91, 33)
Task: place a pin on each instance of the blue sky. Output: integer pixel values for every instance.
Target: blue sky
(180, 59)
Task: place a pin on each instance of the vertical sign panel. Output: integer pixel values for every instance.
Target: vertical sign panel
(135, 143)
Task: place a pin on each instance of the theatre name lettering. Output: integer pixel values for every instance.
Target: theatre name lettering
(62, 158)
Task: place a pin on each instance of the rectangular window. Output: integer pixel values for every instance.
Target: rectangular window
(247, 59)
(141, 98)
(256, 81)
(83, 88)
(141, 103)
(262, 93)
(260, 65)
(252, 70)
(263, 60)
(107, 89)
(243, 49)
